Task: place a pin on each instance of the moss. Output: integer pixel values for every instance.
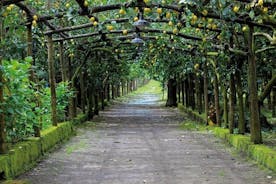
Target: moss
(16, 182)
(262, 154)
(22, 156)
(80, 119)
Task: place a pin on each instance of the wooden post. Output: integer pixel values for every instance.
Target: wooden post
(225, 106)
(216, 93)
(61, 60)
(183, 91)
(52, 79)
(205, 86)
(232, 104)
(241, 123)
(255, 125)
(82, 91)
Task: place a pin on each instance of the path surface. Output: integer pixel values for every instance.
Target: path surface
(139, 142)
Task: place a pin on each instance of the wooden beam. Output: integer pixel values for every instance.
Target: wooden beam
(129, 31)
(8, 2)
(88, 25)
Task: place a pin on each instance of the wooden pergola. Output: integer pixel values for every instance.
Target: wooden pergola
(60, 34)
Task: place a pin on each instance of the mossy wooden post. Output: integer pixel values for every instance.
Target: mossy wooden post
(171, 97)
(225, 105)
(232, 104)
(30, 48)
(3, 146)
(52, 79)
(82, 91)
(61, 60)
(96, 103)
(255, 126)
(32, 75)
(216, 94)
(198, 95)
(183, 91)
(108, 91)
(205, 86)
(241, 124)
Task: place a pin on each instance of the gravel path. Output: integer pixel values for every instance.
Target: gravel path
(138, 142)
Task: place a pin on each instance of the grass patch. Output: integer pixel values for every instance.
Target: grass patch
(16, 182)
(70, 149)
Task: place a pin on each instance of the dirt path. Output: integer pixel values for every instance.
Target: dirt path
(139, 142)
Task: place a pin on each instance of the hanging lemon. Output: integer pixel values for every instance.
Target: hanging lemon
(159, 10)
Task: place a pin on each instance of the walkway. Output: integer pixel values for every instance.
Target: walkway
(138, 142)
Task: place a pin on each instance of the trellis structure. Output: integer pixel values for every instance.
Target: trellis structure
(61, 34)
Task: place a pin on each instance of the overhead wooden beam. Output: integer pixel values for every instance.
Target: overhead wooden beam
(129, 31)
(8, 2)
(88, 25)
(30, 13)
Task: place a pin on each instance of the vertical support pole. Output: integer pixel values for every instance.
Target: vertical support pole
(205, 86)
(52, 79)
(216, 93)
(82, 91)
(30, 48)
(255, 125)
(61, 60)
(241, 124)
(232, 104)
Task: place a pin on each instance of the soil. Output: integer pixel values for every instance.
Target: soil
(139, 141)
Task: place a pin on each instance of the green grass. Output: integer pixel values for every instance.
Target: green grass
(153, 87)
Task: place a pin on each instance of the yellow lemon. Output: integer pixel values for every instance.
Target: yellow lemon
(35, 17)
(236, 9)
(204, 12)
(85, 4)
(125, 32)
(95, 23)
(159, 10)
(92, 19)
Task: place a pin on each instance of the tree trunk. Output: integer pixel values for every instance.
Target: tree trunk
(108, 92)
(241, 124)
(186, 92)
(96, 100)
(72, 102)
(232, 104)
(113, 92)
(206, 101)
(118, 90)
(61, 59)
(171, 100)
(52, 80)
(255, 126)
(225, 107)
(183, 92)
(216, 93)
(90, 103)
(179, 90)
(191, 91)
(123, 88)
(82, 91)
(102, 99)
(198, 95)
